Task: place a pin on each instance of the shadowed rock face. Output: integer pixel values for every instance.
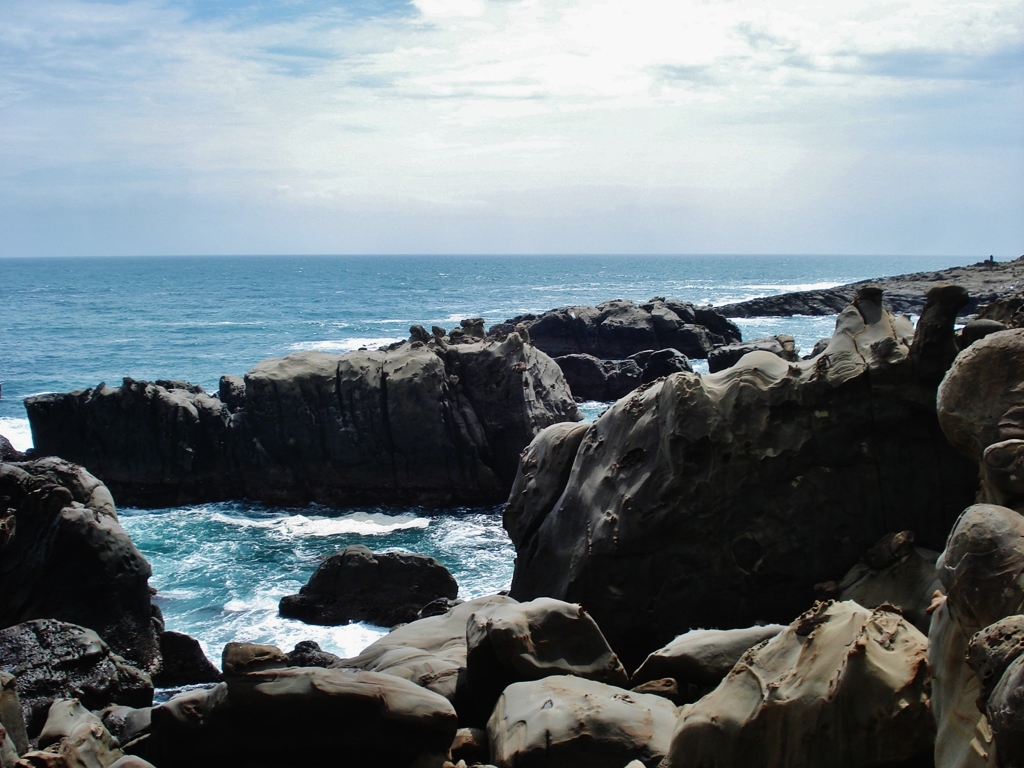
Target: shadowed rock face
(617, 329)
(719, 501)
(415, 424)
(64, 555)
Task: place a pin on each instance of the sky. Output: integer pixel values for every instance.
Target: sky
(511, 126)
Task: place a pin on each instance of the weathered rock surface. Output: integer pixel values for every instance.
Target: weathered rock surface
(992, 650)
(842, 686)
(55, 660)
(11, 718)
(430, 652)
(301, 717)
(728, 355)
(1005, 712)
(356, 584)
(699, 659)
(570, 721)
(896, 573)
(74, 737)
(721, 500)
(986, 282)
(419, 423)
(617, 329)
(65, 556)
(591, 378)
(530, 641)
(8, 452)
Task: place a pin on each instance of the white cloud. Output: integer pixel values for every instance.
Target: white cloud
(708, 106)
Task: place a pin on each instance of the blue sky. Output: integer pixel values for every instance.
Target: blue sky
(500, 126)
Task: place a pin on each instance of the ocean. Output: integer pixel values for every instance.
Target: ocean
(220, 569)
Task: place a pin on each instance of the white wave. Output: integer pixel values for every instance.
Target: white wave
(790, 288)
(342, 345)
(360, 523)
(17, 431)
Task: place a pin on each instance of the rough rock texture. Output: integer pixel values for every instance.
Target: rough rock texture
(380, 588)
(8, 452)
(301, 717)
(530, 641)
(986, 282)
(992, 650)
(76, 737)
(727, 356)
(895, 573)
(183, 662)
(698, 660)
(981, 570)
(591, 378)
(430, 652)
(1005, 712)
(842, 686)
(309, 654)
(432, 424)
(617, 329)
(64, 555)
(11, 717)
(54, 660)
(721, 500)
(573, 722)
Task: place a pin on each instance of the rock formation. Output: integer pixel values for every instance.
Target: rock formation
(728, 355)
(617, 329)
(721, 500)
(359, 585)
(591, 378)
(420, 423)
(64, 555)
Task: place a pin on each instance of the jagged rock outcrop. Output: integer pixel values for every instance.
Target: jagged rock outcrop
(617, 329)
(383, 588)
(721, 500)
(64, 555)
(183, 662)
(841, 686)
(572, 721)
(591, 378)
(55, 660)
(420, 423)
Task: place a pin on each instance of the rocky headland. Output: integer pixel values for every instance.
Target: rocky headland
(867, 501)
(985, 282)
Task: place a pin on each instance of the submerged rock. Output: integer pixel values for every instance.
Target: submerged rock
(382, 588)
(419, 423)
(721, 500)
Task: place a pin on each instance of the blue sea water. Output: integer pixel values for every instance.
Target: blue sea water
(220, 569)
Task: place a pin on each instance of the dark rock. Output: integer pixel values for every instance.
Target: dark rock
(247, 658)
(571, 721)
(65, 556)
(303, 716)
(232, 392)
(617, 329)
(728, 355)
(184, 662)
(438, 607)
(380, 588)
(975, 330)
(859, 699)
(1005, 712)
(419, 333)
(74, 737)
(591, 378)
(1007, 310)
(934, 342)
(11, 718)
(529, 641)
(712, 488)
(700, 659)
(992, 650)
(310, 654)
(667, 688)
(8, 452)
(425, 425)
(55, 660)
(128, 725)
(473, 326)
(660, 362)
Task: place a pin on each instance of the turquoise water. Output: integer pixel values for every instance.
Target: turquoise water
(220, 569)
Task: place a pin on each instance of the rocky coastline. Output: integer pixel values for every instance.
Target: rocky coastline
(785, 563)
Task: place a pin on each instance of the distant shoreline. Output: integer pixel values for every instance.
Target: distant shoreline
(985, 281)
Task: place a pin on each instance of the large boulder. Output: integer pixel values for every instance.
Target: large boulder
(431, 652)
(74, 737)
(617, 329)
(591, 378)
(55, 660)
(530, 641)
(300, 717)
(728, 355)
(571, 721)
(722, 500)
(842, 686)
(384, 588)
(417, 423)
(66, 556)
